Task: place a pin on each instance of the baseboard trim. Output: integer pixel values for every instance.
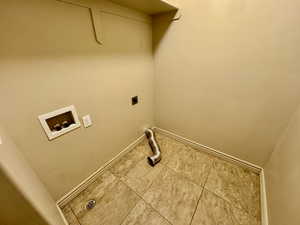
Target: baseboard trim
(263, 199)
(85, 183)
(62, 214)
(255, 168)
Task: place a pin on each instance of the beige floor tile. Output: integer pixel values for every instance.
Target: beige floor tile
(243, 218)
(144, 147)
(192, 164)
(95, 191)
(140, 177)
(69, 215)
(114, 201)
(134, 170)
(128, 161)
(237, 185)
(169, 147)
(213, 210)
(171, 189)
(174, 197)
(143, 214)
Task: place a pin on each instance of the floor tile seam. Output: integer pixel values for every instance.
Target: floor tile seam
(227, 201)
(142, 198)
(75, 215)
(211, 168)
(125, 217)
(118, 179)
(184, 177)
(231, 206)
(73, 211)
(121, 181)
(206, 188)
(195, 210)
(157, 211)
(160, 172)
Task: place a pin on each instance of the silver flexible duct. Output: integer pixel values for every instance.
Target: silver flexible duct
(153, 160)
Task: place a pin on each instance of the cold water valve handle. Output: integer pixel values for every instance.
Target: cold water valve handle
(156, 157)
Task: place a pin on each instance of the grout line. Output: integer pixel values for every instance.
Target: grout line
(218, 195)
(227, 201)
(178, 174)
(186, 178)
(231, 204)
(132, 207)
(145, 201)
(195, 210)
(75, 215)
(203, 188)
(157, 212)
(211, 168)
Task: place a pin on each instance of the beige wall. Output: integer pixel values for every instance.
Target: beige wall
(49, 59)
(283, 177)
(227, 73)
(15, 209)
(24, 198)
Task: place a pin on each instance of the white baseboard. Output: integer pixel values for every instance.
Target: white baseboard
(263, 199)
(62, 215)
(257, 169)
(211, 151)
(85, 183)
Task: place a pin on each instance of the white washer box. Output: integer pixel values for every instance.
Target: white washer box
(60, 121)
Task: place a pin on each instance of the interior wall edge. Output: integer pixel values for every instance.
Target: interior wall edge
(90, 179)
(211, 83)
(282, 173)
(282, 135)
(26, 183)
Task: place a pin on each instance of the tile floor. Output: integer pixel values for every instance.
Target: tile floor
(188, 187)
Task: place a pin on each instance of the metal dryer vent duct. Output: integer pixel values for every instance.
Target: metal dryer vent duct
(156, 157)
